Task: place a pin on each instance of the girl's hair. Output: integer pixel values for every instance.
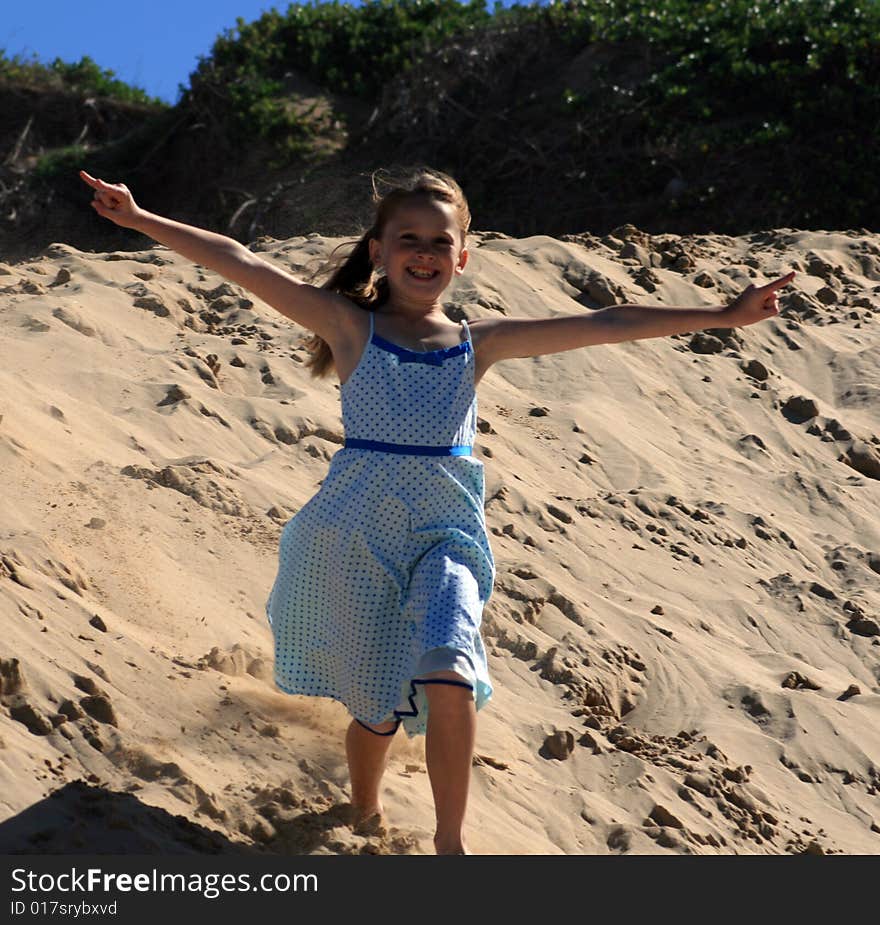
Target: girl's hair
(353, 275)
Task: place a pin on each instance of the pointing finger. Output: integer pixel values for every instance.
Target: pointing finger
(782, 281)
(97, 183)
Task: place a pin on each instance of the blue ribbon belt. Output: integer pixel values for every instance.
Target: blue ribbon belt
(410, 449)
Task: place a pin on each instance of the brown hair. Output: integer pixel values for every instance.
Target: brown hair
(353, 275)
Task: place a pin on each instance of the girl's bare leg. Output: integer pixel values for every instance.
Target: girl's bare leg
(449, 750)
(367, 758)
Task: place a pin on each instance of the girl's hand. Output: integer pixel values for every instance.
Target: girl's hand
(113, 201)
(755, 303)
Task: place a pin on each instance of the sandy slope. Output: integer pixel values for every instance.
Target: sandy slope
(686, 529)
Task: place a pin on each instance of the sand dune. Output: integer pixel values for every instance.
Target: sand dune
(684, 634)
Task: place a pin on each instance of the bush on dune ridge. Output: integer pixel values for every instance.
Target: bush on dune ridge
(763, 112)
(84, 76)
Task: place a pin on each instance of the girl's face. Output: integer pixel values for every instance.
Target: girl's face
(420, 250)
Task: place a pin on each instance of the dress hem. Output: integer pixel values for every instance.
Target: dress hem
(413, 723)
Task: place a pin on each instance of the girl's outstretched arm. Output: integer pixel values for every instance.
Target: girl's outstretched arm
(506, 338)
(319, 310)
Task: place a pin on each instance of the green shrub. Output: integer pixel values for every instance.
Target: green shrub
(788, 88)
(346, 49)
(83, 76)
(60, 161)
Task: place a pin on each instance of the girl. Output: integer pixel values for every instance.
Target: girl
(384, 573)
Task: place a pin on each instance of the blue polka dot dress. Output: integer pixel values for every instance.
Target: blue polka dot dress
(384, 573)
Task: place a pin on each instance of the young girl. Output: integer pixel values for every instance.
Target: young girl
(384, 573)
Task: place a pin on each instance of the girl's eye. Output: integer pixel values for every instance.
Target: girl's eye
(443, 241)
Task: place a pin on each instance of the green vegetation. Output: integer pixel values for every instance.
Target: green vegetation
(83, 76)
(732, 76)
(60, 161)
(345, 49)
(796, 82)
(768, 108)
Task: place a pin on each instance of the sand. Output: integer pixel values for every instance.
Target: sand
(684, 634)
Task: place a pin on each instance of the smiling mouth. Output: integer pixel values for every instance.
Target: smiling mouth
(431, 275)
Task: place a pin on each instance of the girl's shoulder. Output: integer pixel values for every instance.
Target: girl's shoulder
(478, 328)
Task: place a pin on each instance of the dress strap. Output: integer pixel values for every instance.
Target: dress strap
(467, 330)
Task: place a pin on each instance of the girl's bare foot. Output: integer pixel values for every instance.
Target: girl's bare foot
(369, 820)
(456, 847)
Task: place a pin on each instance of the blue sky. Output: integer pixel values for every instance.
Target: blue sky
(153, 44)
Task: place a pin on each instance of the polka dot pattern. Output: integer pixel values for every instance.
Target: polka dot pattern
(384, 573)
